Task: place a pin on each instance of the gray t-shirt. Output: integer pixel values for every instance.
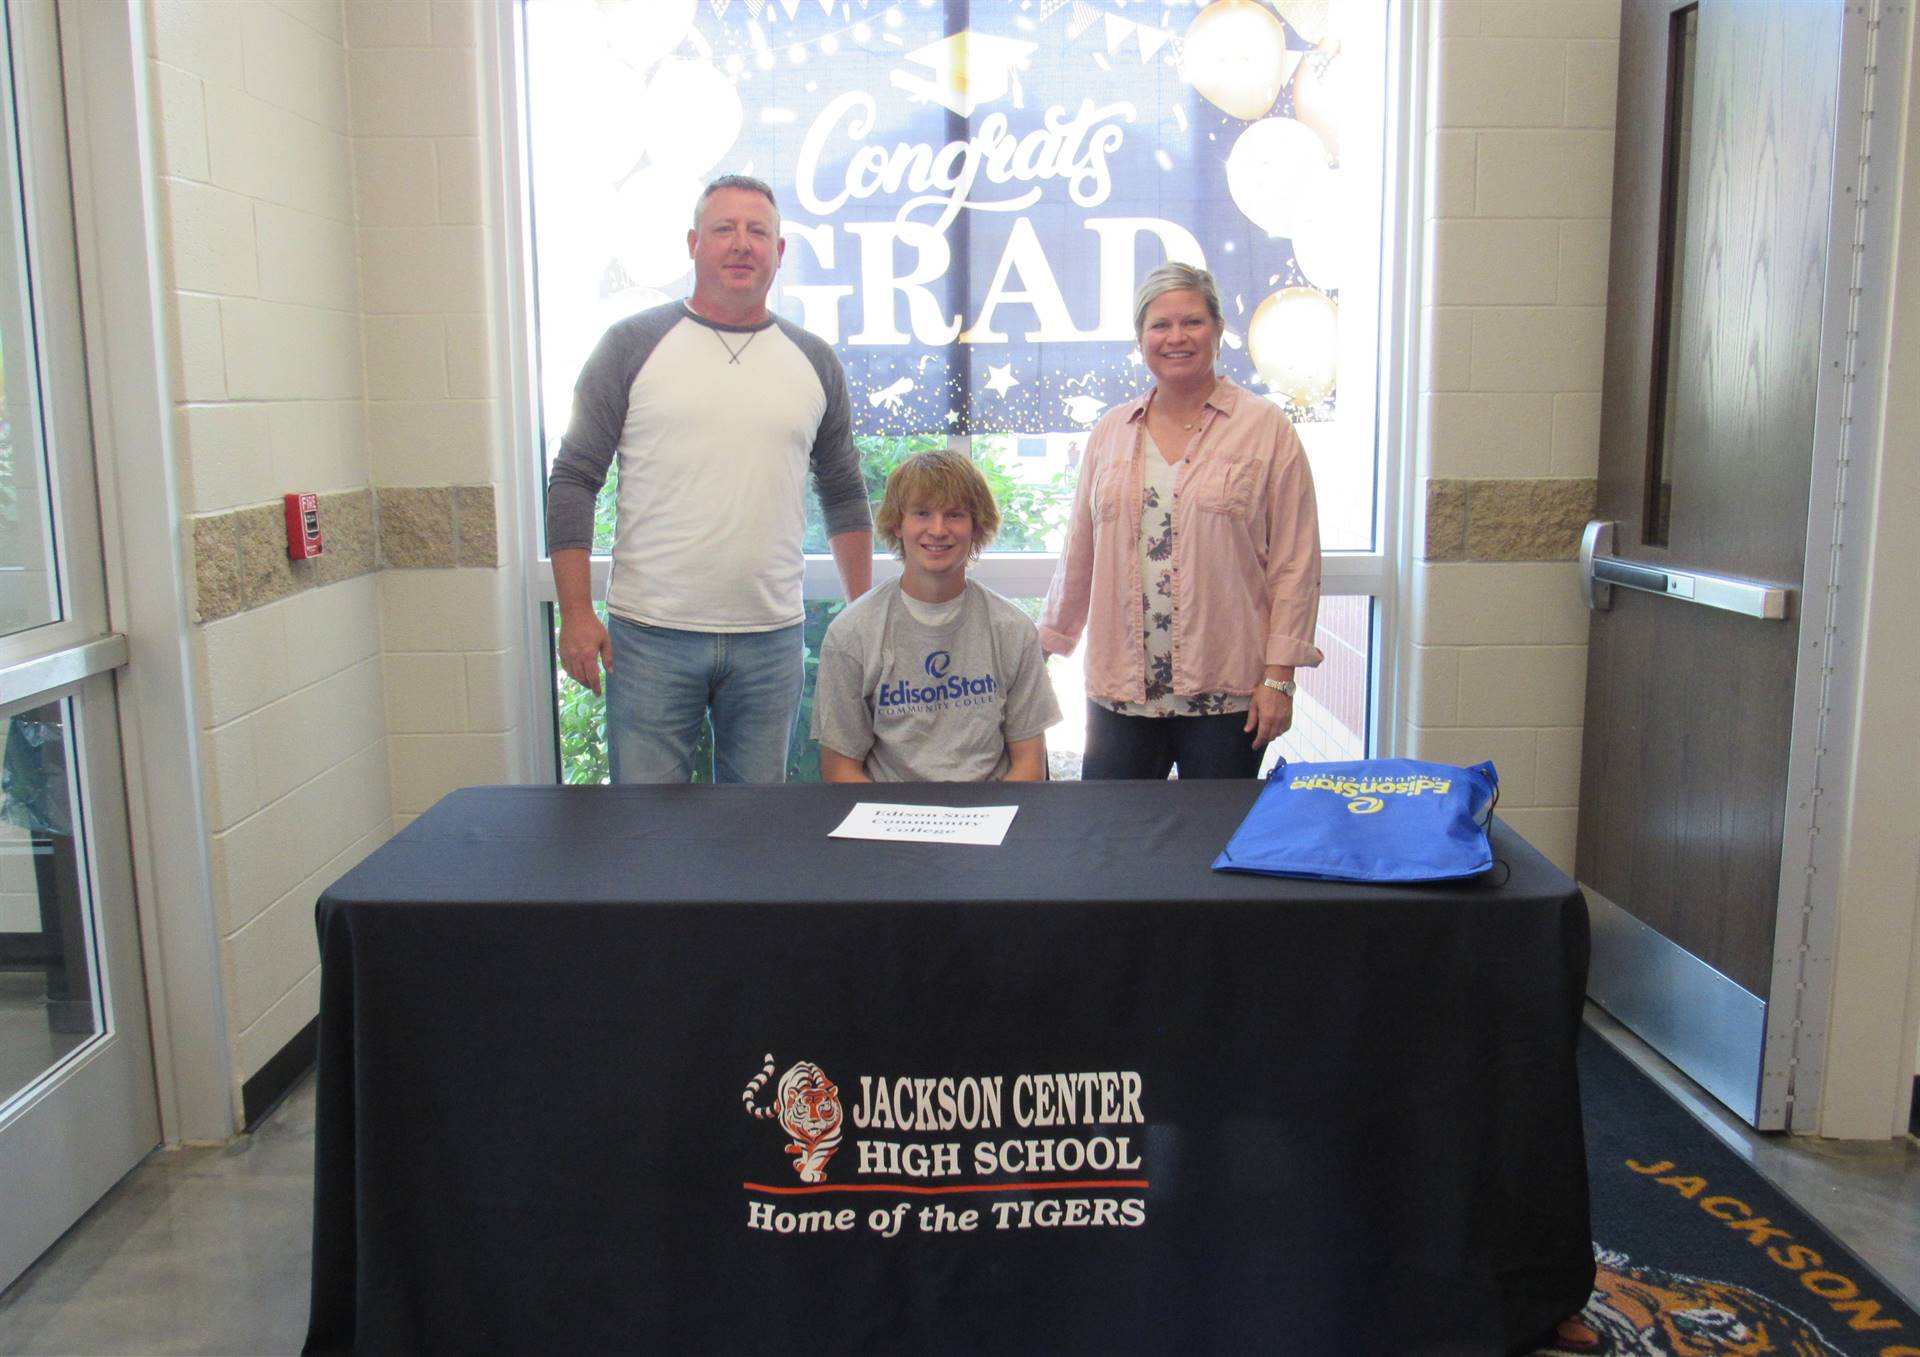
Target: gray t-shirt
(931, 704)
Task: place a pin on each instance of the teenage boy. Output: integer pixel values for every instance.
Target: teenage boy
(933, 677)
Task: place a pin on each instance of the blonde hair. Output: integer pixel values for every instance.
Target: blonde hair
(935, 480)
(1176, 278)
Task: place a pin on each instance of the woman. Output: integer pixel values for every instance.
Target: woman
(1192, 559)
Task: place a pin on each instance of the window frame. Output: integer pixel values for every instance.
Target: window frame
(1379, 573)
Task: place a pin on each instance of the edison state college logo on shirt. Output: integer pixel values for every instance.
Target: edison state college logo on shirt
(943, 689)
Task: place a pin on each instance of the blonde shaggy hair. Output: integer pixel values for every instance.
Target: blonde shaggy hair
(935, 480)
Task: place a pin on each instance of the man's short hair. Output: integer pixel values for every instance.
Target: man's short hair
(937, 480)
(744, 181)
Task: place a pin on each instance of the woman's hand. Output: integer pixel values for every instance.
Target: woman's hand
(1270, 716)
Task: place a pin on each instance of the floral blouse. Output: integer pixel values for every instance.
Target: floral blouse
(1156, 581)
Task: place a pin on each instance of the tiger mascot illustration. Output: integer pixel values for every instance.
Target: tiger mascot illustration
(807, 1104)
(1649, 1312)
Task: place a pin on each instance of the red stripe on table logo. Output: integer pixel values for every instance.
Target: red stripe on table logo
(1079, 1184)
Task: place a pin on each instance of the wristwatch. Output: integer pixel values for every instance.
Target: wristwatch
(1287, 686)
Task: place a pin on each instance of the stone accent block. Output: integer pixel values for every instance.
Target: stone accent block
(1527, 520)
(346, 526)
(416, 526)
(216, 567)
(266, 572)
(476, 529)
(240, 557)
(1506, 519)
(1446, 534)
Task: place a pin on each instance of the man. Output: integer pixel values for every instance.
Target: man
(717, 409)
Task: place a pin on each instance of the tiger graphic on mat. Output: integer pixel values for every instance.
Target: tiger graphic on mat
(807, 1104)
(1649, 1312)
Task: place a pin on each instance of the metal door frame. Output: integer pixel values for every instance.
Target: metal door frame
(1860, 265)
(74, 1129)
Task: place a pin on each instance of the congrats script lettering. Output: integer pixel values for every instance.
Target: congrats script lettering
(1072, 148)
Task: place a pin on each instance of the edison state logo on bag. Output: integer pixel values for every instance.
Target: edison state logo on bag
(1366, 791)
(807, 1105)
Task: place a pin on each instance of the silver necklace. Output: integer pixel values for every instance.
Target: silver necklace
(733, 354)
(1197, 414)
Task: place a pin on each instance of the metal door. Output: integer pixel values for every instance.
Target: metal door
(1730, 113)
(77, 1101)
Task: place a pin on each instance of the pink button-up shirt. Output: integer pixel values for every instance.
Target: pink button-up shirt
(1246, 553)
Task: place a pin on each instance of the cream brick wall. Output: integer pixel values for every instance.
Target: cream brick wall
(452, 707)
(453, 710)
(257, 218)
(1519, 171)
(322, 202)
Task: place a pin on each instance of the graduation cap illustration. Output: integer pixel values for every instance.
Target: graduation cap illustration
(969, 69)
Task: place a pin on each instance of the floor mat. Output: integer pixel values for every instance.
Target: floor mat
(1698, 1254)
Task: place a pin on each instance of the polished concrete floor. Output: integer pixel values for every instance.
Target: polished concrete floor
(196, 1251)
(205, 1251)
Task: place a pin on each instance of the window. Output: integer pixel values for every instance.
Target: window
(970, 193)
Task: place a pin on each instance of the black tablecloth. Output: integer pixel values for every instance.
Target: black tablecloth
(541, 1007)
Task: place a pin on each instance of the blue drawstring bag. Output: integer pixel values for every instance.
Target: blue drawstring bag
(1369, 820)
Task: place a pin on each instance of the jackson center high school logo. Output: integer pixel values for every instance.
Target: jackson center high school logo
(807, 1106)
(991, 1151)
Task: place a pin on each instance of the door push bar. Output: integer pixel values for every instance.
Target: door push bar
(1601, 570)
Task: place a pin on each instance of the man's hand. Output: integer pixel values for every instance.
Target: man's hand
(584, 647)
(584, 644)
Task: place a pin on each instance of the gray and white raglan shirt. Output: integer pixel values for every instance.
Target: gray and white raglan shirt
(714, 455)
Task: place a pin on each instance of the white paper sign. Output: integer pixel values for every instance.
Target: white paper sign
(926, 824)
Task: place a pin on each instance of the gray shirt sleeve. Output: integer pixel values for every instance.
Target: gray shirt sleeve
(1030, 706)
(599, 415)
(835, 461)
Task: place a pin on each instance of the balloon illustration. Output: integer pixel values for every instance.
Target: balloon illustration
(643, 31)
(1320, 94)
(1320, 236)
(653, 212)
(693, 116)
(1236, 55)
(1311, 19)
(1275, 167)
(1294, 340)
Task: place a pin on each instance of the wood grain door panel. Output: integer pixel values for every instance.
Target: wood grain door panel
(1689, 710)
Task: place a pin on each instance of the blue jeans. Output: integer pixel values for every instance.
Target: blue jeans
(664, 683)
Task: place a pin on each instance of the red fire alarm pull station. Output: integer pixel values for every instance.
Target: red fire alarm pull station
(303, 526)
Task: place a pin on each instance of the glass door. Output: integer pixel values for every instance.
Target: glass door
(77, 1102)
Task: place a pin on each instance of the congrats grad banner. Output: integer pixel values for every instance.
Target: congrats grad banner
(970, 191)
